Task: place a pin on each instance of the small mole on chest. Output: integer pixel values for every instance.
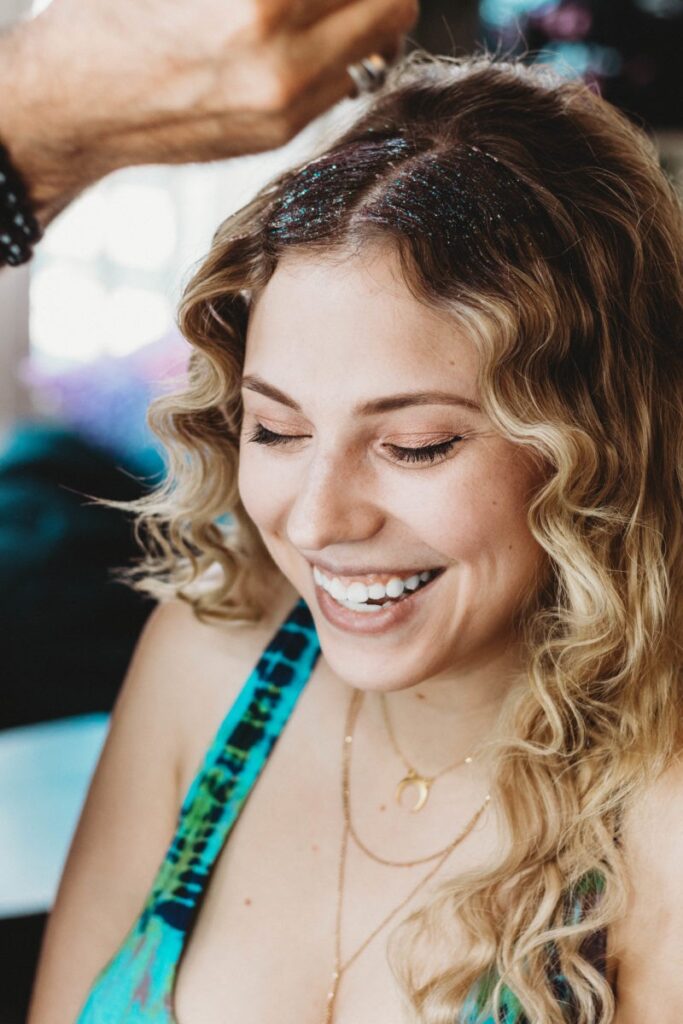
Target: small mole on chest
(247, 901)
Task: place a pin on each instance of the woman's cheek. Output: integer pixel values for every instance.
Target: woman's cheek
(252, 493)
(260, 491)
(450, 508)
(483, 509)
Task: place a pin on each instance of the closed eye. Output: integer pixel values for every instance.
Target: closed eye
(427, 452)
(424, 453)
(262, 435)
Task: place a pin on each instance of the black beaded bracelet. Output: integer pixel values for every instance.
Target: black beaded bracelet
(19, 229)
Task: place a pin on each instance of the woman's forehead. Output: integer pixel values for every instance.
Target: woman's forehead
(336, 314)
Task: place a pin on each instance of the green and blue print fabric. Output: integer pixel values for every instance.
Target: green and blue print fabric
(594, 949)
(137, 985)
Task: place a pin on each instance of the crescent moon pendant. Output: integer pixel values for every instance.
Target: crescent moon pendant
(422, 786)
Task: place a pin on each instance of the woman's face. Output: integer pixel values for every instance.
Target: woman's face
(365, 458)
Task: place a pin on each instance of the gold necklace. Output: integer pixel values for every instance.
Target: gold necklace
(412, 777)
(348, 817)
(340, 967)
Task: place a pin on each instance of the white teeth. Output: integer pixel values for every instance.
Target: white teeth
(395, 587)
(362, 607)
(337, 589)
(357, 592)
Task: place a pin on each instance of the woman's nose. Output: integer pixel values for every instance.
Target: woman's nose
(334, 503)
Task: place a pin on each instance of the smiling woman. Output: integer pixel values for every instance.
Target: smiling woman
(373, 471)
(428, 456)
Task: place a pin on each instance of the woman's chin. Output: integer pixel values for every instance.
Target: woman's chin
(371, 671)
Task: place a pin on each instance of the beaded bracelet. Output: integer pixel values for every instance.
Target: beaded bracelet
(19, 229)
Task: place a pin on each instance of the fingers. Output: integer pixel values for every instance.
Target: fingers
(351, 32)
(316, 59)
(321, 54)
(305, 70)
(315, 101)
(301, 14)
(195, 91)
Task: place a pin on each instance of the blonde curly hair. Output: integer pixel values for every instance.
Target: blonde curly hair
(538, 217)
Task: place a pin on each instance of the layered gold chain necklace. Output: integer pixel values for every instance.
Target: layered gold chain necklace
(349, 831)
(414, 779)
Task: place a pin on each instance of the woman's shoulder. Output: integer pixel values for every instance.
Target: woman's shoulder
(178, 645)
(201, 666)
(648, 940)
(183, 678)
(653, 824)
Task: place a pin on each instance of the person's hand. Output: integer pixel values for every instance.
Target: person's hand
(93, 85)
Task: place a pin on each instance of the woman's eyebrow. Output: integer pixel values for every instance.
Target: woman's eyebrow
(375, 405)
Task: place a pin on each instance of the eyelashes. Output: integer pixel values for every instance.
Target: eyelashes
(426, 453)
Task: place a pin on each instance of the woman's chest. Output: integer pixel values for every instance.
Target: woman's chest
(263, 945)
(263, 949)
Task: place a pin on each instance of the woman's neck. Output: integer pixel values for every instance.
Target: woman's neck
(441, 719)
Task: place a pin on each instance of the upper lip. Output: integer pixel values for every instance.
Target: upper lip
(368, 570)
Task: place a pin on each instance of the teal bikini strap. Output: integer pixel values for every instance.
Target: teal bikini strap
(138, 983)
(232, 765)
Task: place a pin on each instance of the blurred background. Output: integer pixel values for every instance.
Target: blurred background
(89, 339)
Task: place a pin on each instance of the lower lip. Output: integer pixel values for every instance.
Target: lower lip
(371, 623)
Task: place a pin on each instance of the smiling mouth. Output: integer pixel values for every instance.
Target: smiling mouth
(375, 596)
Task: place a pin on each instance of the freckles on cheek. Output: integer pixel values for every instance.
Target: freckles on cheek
(459, 530)
(483, 512)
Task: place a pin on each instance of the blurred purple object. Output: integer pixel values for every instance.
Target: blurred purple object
(572, 21)
(106, 401)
